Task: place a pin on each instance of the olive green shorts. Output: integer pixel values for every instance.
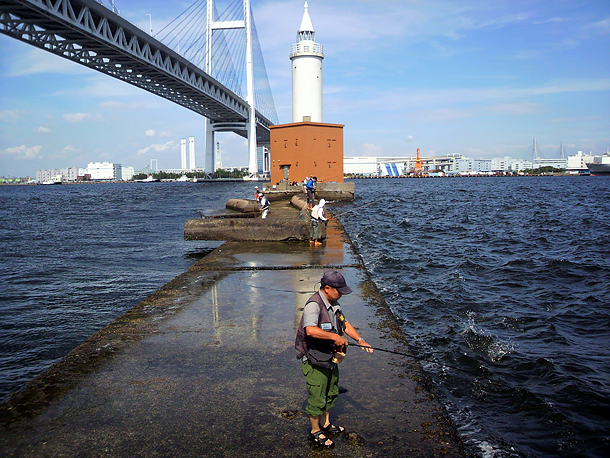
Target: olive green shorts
(322, 388)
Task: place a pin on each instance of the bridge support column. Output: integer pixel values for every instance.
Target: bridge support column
(252, 163)
(252, 150)
(209, 148)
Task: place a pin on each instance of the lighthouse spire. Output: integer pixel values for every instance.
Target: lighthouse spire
(306, 31)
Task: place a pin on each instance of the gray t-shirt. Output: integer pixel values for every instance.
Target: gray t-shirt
(311, 314)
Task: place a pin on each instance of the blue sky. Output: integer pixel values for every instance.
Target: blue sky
(475, 77)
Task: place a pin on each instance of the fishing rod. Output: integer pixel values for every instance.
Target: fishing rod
(351, 210)
(499, 382)
(418, 358)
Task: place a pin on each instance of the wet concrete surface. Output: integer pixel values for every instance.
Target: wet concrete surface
(206, 367)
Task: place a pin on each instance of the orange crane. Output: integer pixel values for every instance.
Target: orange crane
(418, 165)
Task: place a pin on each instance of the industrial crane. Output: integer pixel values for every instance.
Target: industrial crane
(418, 165)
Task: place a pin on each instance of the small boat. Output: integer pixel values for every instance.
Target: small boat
(55, 180)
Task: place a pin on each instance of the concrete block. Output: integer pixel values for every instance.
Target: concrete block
(243, 205)
(270, 230)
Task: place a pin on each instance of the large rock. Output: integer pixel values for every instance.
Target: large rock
(243, 205)
(270, 230)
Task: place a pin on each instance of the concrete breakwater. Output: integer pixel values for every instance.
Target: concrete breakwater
(286, 222)
(205, 366)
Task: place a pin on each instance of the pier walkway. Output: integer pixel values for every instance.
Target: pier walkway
(206, 367)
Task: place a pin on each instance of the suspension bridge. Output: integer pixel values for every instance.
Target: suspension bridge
(205, 60)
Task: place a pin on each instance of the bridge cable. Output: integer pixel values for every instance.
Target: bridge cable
(178, 17)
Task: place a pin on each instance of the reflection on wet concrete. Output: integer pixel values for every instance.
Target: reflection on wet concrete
(206, 367)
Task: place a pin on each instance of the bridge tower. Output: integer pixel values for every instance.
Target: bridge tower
(306, 58)
(250, 127)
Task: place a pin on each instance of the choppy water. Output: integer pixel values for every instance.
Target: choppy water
(509, 278)
(505, 277)
(73, 258)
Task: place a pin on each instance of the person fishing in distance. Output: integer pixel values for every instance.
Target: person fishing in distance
(264, 205)
(310, 188)
(321, 345)
(317, 218)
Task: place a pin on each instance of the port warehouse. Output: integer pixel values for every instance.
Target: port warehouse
(455, 164)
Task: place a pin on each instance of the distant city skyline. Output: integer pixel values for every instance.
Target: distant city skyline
(471, 77)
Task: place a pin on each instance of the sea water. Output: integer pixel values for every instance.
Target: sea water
(507, 279)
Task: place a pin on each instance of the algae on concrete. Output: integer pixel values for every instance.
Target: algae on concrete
(206, 367)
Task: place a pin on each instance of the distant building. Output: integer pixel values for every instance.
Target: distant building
(501, 164)
(65, 174)
(519, 165)
(391, 169)
(366, 166)
(218, 157)
(578, 162)
(183, 165)
(472, 166)
(106, 171)
(127, 173)
(192, 153)
(555, 163)
(46, 175)
(263, 160)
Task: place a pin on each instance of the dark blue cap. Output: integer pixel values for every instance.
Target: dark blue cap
(336, 280)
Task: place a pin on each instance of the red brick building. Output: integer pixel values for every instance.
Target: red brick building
(305, 149)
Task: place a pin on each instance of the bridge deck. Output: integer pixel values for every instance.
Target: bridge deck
(88, 33)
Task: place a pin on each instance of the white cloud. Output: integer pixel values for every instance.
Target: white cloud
(43, 130)
(11, 115)
(158, 147)
(440, 102)
(602, 27)
(115, 105)
(35, 61)
(100, 86)
(25, 153)
(76, 117)
(515, 108)
(409, 138)
(154, 133)
(64, 153)
(370, 149)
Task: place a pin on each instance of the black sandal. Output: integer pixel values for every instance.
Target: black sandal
(316, 439)
(333, 429)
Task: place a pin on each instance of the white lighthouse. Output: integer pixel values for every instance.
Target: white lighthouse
(306, 58)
